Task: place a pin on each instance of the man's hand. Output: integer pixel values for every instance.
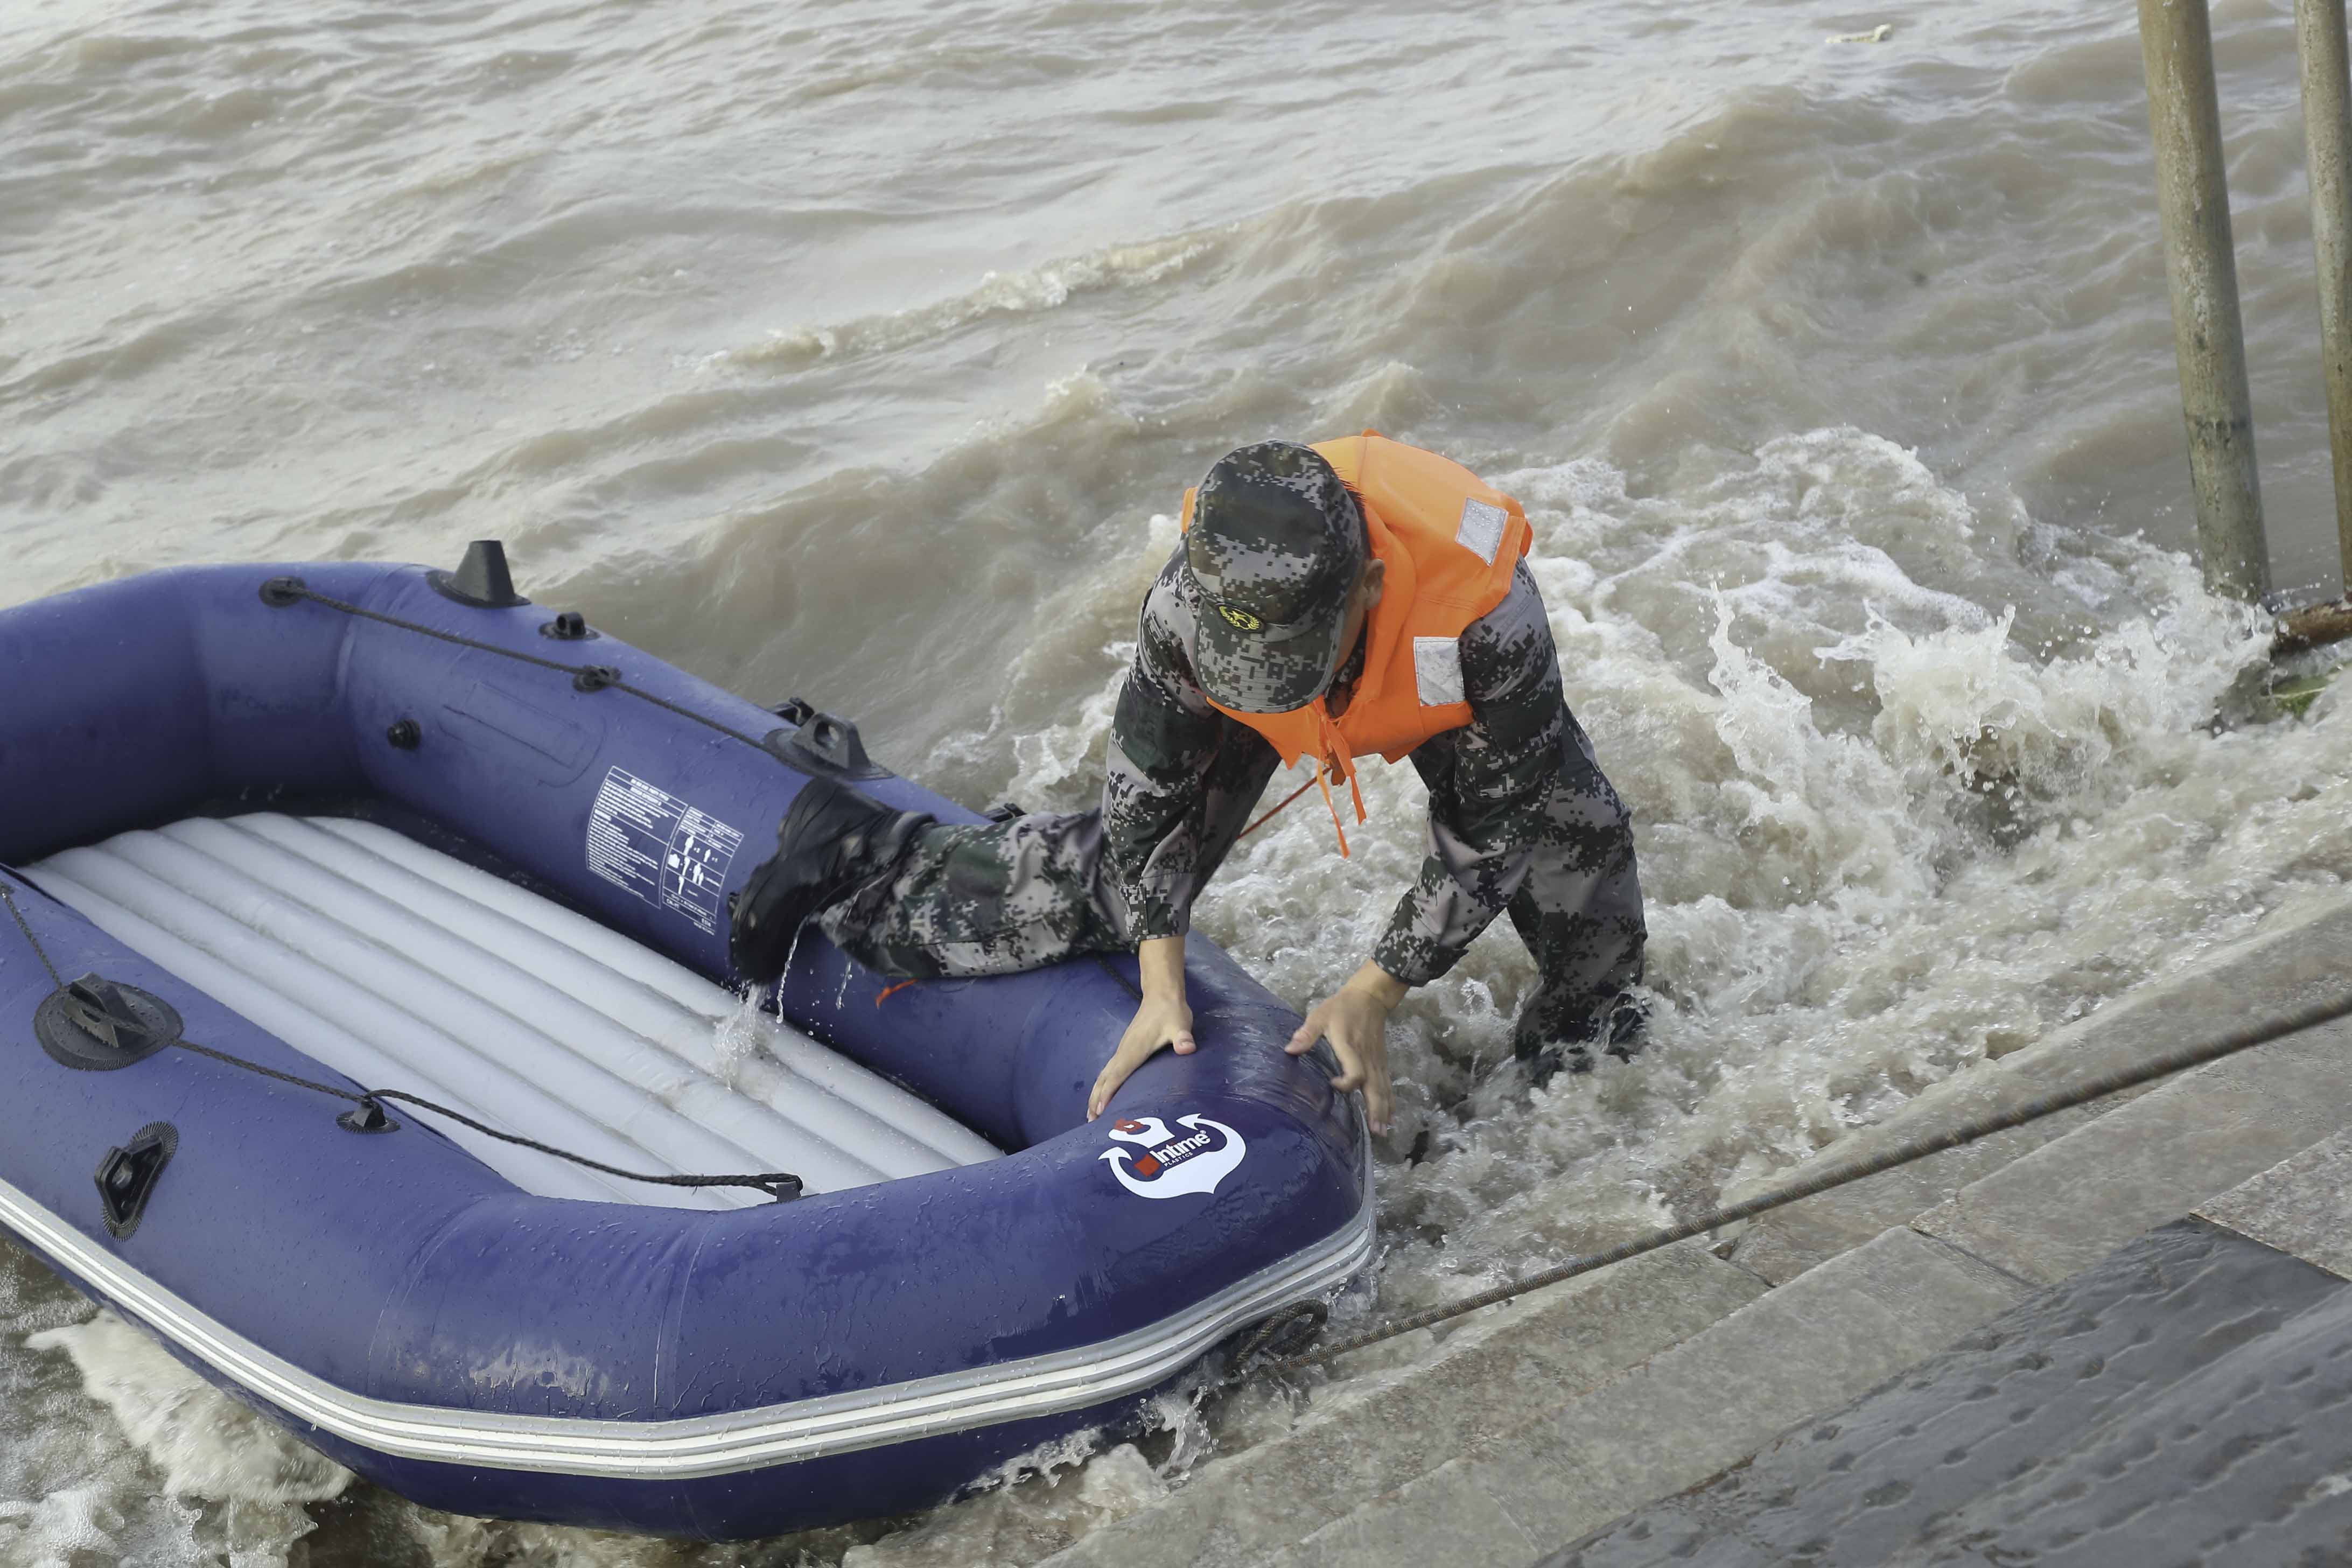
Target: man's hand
(1164, 1019)
(1355, 1019)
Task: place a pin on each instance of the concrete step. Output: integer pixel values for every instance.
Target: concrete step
(2180, 1403)
(2301, 1206)
(1684, 1415)
(1490, 1379)
(2070, 1203)
(1837, 1330)
(2296, 959)
(2113, 1418)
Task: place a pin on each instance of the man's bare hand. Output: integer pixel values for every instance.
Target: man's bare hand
(1355, 1019)
(1160, 1023)
(1163, 1020)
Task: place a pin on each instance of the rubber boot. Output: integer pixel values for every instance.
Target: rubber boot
(831, 842)
(1620, 1032)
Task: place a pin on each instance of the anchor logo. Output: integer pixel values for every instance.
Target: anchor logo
(1171, 1164)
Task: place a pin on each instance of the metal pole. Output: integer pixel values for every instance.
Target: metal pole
(2193, 193)
(2327, 139)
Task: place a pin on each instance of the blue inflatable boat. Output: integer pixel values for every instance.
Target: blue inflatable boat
(371, 827)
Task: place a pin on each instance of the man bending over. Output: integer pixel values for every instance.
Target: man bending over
(1328, 603)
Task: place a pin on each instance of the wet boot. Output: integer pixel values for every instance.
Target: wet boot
(1620, 1032)
(832, 841)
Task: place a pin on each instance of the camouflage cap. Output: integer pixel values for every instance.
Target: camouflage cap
(1277, 543)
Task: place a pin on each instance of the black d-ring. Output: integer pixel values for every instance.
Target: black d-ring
(367, 1116)
(280, 592)
(127, 1176)
(594, 678)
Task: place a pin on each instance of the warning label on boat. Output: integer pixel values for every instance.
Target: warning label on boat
(643, 838)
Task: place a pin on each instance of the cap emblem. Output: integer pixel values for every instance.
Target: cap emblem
(1240, 620)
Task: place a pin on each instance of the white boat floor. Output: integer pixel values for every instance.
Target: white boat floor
(404, 968)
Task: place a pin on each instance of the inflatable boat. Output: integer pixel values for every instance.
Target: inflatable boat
(367, 946)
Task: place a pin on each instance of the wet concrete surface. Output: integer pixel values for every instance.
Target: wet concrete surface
(2186, 1401)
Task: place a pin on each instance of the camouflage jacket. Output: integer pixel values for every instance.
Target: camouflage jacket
(1516, 801)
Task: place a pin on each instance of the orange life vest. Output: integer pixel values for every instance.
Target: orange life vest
(1451, 543)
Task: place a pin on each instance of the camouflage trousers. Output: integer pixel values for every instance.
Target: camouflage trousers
(1000, 897)
(989, 897)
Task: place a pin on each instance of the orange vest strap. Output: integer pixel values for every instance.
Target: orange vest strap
(1335, 755)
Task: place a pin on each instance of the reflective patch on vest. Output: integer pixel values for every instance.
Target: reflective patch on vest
(1481, 532)
(1437, 670)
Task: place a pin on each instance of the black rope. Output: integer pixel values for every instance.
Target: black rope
(1288, 1331)
(56, 980)
(282, 591)
(779, 1185)
(2237, 1040)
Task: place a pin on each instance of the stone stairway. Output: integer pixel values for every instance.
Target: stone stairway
(1541, 1421)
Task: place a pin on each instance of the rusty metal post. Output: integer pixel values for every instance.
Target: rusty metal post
(2328, 140)
(2193, 193)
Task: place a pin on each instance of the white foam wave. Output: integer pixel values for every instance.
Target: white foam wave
(1038, 288)
(180, 1474)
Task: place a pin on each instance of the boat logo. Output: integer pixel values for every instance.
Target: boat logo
(1171, 1164)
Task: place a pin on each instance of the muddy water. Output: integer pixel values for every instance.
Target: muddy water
(860, 352)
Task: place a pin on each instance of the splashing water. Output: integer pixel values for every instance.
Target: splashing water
(1885, 832)
(192, 1476)
(738, 1036)
(205, 1442)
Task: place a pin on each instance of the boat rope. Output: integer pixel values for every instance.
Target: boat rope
(57, 981)
(368, 1113)
(1283, 1327)
(280, 592)
(1276, 810)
